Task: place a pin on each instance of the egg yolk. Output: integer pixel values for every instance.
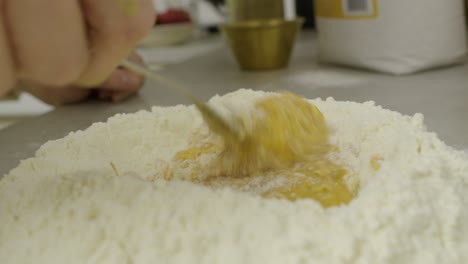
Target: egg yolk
(284, 155)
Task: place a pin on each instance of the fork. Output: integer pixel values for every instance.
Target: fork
(215, 121)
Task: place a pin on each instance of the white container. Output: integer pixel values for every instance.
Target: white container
(391, 36)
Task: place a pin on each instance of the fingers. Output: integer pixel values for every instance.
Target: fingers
(122, 79)
(122, 83)
(136, 58)
(119, 86)
(56, 97)
(114, 96)
(7, 76)
(59, 42)
(115, 27)
(120, 96)
(49, 40)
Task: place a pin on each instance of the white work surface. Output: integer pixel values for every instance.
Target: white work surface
(441, 95)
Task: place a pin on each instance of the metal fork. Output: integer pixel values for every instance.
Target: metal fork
(215, 121)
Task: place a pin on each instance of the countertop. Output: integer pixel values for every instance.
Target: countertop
(441, 95)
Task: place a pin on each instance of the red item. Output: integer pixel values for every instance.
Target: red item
(173, 16)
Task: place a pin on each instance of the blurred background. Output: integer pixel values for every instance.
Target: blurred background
(180, 24)
(188, 28)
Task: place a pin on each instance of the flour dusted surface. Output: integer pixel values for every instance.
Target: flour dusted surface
(67, 204)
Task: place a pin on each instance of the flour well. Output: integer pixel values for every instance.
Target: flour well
(67, 205)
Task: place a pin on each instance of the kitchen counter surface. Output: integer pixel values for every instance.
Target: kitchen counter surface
(441, 95)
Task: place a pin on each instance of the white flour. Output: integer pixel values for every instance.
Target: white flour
(67, 206)
(396, 36)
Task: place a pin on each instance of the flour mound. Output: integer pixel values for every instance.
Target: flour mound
(96, 196)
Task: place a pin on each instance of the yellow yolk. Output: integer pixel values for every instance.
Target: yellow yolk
(283, 129)
(321, 181)
(375, 162)
(284, 155)
(195, 152)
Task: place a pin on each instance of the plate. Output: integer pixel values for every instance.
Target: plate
(168, 35)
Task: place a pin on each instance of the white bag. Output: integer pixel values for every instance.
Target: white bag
(392, 36)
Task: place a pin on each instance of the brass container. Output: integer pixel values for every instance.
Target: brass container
(262, 44)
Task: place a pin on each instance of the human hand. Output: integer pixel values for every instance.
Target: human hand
(119, 86)
(69, 44)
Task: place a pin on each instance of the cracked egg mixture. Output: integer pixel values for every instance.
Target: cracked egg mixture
(285, 155)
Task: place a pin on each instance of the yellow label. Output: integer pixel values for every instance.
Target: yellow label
(346, 9)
